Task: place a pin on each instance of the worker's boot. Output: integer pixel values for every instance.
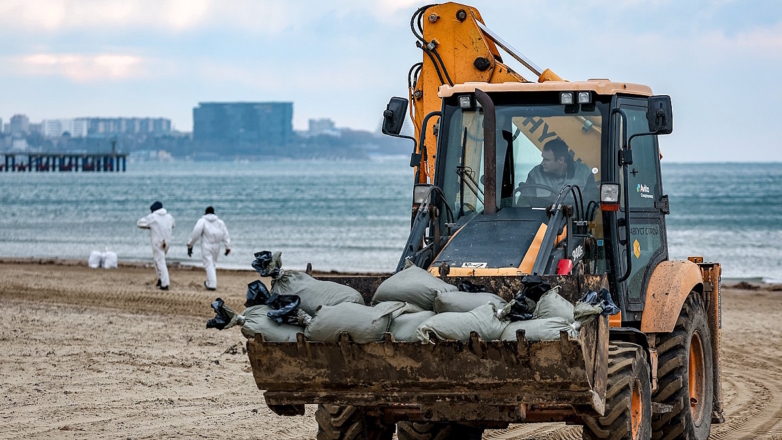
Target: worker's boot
(158, 283)
(209, 288)
(163, 287)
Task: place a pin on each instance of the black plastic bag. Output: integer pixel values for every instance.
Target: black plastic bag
(284, 308)
(468, 286)
(222, 317)
(602, 299)
(257, 294)
(522, 308)
(534, 287)
(268, 264)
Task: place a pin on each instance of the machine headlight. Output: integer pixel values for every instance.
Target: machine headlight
(584, 97)
(465, 101)
(566, 98)
(609, 196)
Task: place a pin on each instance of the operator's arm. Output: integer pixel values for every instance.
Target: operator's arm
(144, 222)
(196, 234)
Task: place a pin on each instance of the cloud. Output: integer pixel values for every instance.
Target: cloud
(265, 16)
(57, 15)
(81, 68)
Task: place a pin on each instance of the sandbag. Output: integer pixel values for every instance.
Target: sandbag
(95, 260)
(412, 285)
(257, 321)
(546, 329)
(314, 293)
(363, 323)
(465, 301)
(404, 326)
(585, 312)
(109, 260)
(457, 326)
(552, 305)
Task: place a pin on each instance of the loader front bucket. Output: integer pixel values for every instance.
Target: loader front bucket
(444, 381)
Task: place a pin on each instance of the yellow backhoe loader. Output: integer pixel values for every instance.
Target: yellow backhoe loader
(519, 182)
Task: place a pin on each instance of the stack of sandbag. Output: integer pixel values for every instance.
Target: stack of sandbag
(457, 326)
(412, 285)
(552, 314)
(362, 323)
(313, 293)
(105, 260)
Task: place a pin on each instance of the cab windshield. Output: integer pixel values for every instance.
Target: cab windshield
(541, 149)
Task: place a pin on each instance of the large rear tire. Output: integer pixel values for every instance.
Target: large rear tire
(349, 423)
(628, 413)
(437, 431)
(685, 376)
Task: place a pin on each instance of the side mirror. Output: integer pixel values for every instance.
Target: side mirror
(660, 114)
(394, 116)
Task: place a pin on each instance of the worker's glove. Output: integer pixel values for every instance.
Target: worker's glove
(189, 251)
(227, 251)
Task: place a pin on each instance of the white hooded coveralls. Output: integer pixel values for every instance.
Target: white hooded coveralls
(160, 224)
(212, 232)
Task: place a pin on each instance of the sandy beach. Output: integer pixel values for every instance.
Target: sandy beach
(103, 354)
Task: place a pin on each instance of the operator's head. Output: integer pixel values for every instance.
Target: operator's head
(209, 210)
(155, 206)
(555, 157)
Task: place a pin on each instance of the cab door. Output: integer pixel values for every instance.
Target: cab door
(645, 236)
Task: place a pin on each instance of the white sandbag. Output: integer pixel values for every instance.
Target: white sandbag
(465, 301)
(256, 321)
(412, 285)
(404, 326)
(552, 305)
(109, 260)
(546, 329)
(95, 260)
(457, 326)
(363, 323)
(314, 293)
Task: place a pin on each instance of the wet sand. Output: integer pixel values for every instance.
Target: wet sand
(96, 353)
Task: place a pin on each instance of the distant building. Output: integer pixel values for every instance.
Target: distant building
(7, 128)
(260, 123)
(20, 125)
(54, 128)
(35, 128)
(322, 126)
(123, 126)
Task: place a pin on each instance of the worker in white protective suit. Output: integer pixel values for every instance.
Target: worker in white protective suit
(212, 232)
(160, 224)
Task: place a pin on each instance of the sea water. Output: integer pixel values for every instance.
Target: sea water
(344, 215)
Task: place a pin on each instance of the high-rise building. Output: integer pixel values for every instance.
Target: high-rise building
(322, 126)
(259, 123)
(126, 126)
(53, 128)
(20, 125)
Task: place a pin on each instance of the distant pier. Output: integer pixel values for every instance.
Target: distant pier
(63, 162)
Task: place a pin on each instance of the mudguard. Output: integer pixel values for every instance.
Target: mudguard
(669, 286)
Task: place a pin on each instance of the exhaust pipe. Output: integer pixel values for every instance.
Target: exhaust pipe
(489, 152)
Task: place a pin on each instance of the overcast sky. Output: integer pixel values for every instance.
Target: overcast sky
(721, 61)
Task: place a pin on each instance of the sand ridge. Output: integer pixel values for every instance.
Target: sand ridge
(103, 354)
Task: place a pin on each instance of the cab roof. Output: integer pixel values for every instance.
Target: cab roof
(599, 86)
